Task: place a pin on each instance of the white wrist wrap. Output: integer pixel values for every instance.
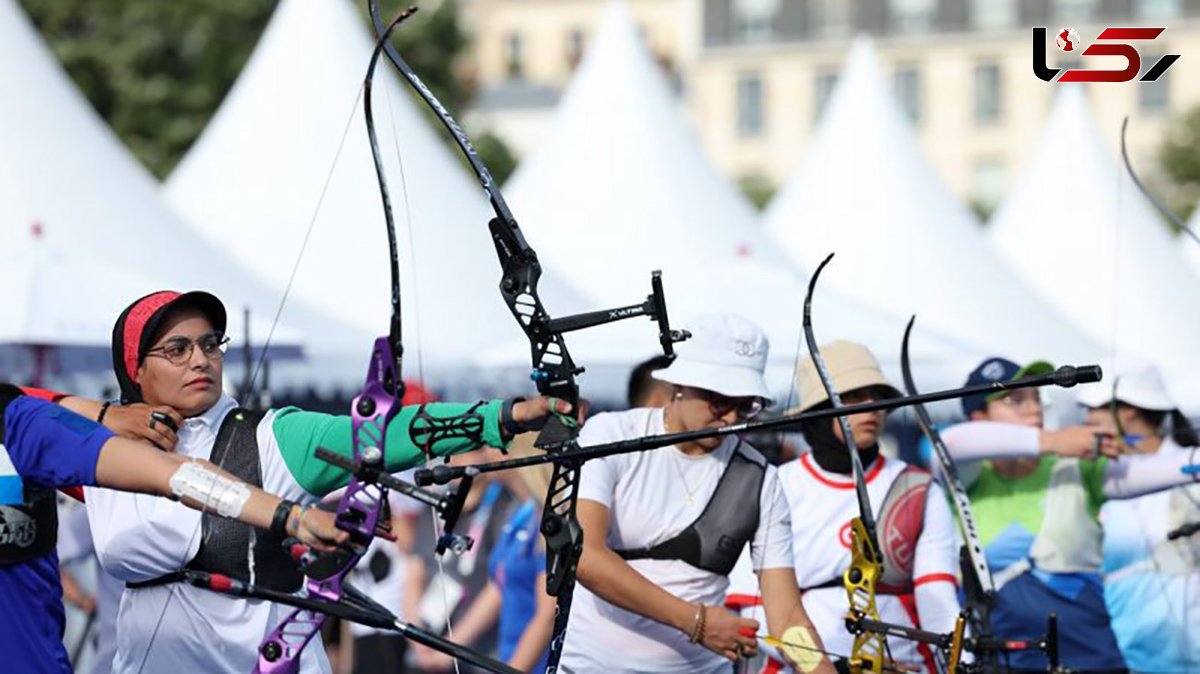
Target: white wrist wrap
(210, 489)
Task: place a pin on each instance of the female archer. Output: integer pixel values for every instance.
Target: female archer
(167, 350)
(1036, 495)
(1151, 563)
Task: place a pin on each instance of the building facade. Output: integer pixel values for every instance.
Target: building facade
(755, 74)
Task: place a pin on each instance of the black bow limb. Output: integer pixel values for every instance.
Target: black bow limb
(355, 607)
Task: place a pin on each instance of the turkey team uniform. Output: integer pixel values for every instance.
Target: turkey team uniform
(923, 591)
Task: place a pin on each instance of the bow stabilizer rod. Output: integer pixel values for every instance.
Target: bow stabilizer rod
(1065, 376)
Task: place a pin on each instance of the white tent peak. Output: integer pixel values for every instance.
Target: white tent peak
(257, 177)
(865, 191)
(621, 186)
(632, 160)
(1191, 249)
(85, 231)
(1077, 226)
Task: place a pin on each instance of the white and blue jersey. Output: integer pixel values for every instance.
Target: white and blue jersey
(43, 445)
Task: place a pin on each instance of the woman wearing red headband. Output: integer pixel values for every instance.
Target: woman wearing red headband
(167, 350)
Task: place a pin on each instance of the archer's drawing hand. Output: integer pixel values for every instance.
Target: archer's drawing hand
(725, 634)
(136, 423)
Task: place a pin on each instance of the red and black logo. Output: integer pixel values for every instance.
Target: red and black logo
(1113, 44)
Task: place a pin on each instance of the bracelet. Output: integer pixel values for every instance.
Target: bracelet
(279, 521)
(103, 410)
(299, 518)
(697, 633)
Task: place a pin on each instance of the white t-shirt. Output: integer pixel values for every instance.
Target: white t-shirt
(823, 504)
(647, 494)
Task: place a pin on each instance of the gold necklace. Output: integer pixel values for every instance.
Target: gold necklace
(691, 498)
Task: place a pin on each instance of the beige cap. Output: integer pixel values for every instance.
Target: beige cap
(851, 366)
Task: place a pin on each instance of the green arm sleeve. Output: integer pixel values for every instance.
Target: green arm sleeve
(299, 433)
(1092, 473)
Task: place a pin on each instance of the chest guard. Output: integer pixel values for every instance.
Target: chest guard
(715, 540)
(901, 521)
(224, 543)
(30, 529)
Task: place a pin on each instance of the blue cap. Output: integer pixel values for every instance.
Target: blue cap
(995, 370)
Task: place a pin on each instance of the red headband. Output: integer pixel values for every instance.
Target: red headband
(135, 323)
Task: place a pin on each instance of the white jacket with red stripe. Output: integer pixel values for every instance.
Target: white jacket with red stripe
(822, 505)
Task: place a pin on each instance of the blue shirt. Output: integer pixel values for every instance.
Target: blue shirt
(514, 565)
(48, 446)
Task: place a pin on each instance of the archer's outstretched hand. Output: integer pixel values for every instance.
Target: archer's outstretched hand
(533, 413)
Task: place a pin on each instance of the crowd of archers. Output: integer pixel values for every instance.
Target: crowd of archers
(697, 557)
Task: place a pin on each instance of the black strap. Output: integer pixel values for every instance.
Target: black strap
(716, 539)
(224, 542)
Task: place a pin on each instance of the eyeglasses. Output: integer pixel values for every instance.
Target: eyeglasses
(1020, 398)
(746, 407)
(178, 350)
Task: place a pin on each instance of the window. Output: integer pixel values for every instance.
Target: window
(753, 19)
(908, 91)
(992, 14)
(1153, 97)
(574, 47)
(749, 105)
(987, 94)
(1157, 9)
(1075, 10)
(830, 18)
(987, 185)
(822, 89)
(513, 56)
(913, 16)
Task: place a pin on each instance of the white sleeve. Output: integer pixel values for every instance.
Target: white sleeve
(139, 536)
(74, 537)
(935, 565)
(978, 440)
(1135, 475)
(598, 478)
(771, 547)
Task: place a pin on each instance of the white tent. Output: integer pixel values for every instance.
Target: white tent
(1078, 228)
(84, 229)
(864, 191)
(620, 186)
(273, 160)
(1191, 249)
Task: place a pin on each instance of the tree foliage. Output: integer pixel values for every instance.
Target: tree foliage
(1179, 155)
(156, 70)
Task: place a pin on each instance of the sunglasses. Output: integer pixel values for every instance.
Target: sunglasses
(746, 407)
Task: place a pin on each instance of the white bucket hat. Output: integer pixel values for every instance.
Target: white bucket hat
(726, 354)
(1137, 383)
